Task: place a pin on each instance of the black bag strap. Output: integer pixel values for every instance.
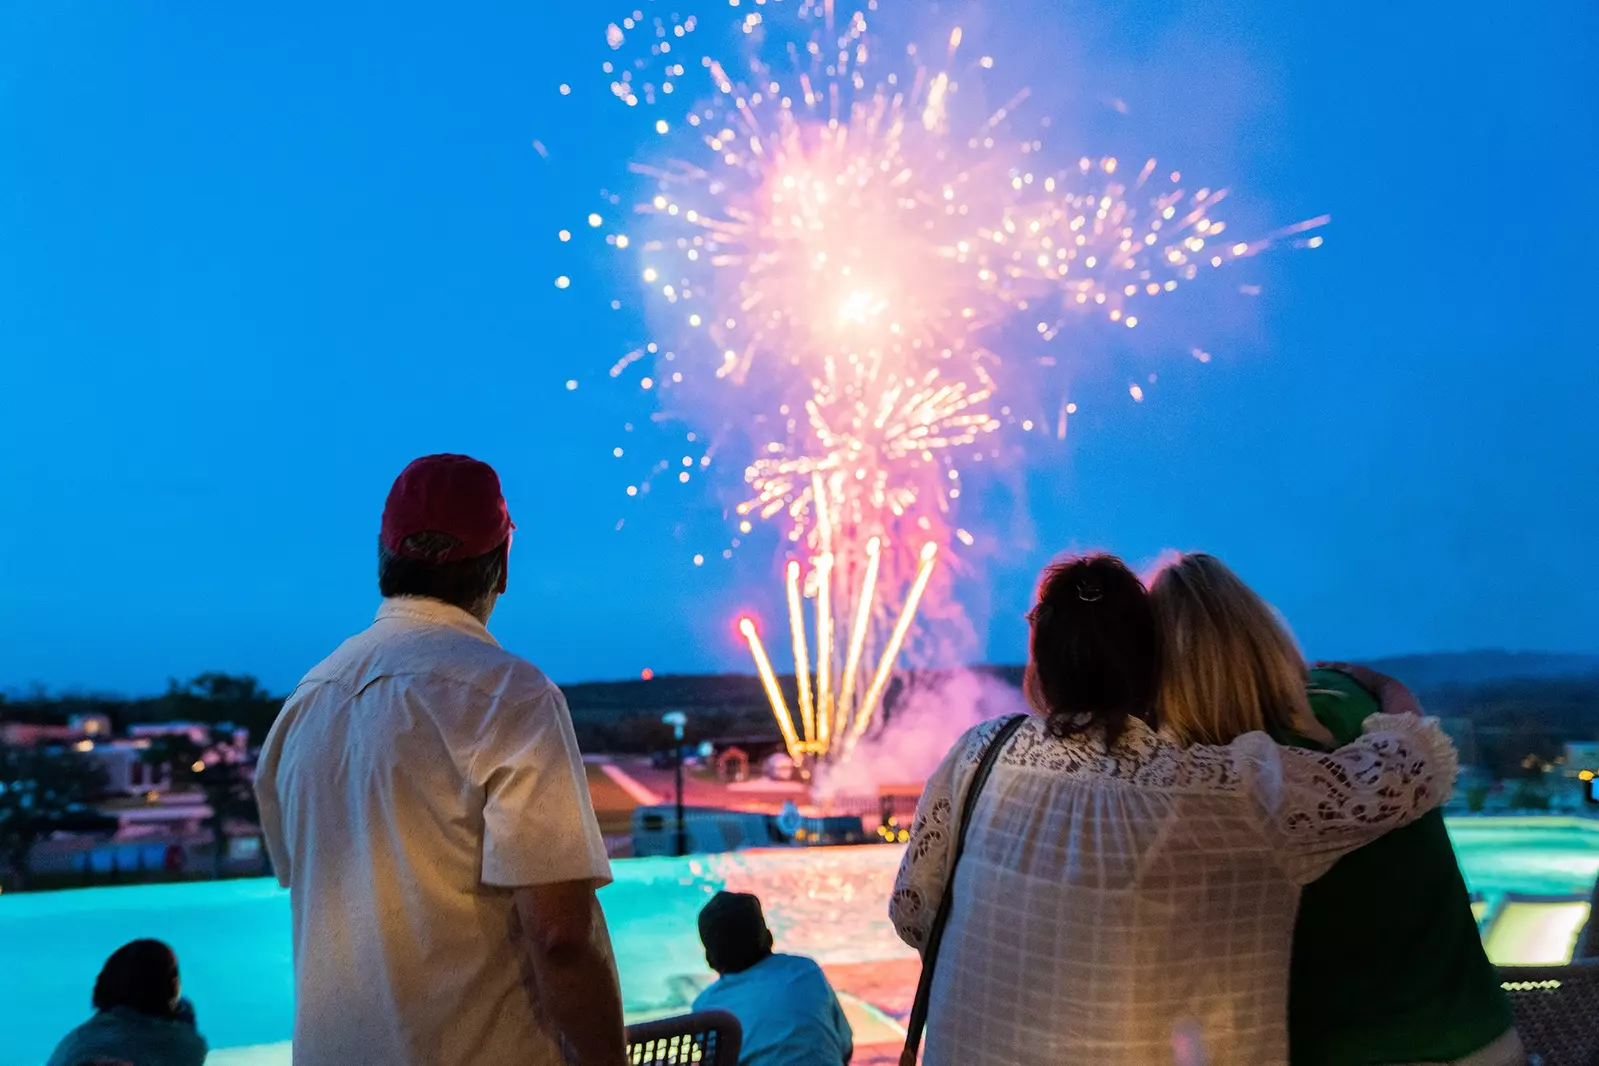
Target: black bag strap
(935, 934)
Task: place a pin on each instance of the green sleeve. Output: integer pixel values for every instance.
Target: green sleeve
(1340, 704)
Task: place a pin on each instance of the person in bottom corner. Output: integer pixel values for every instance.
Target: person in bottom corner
(141, 1017)
(788, 1012)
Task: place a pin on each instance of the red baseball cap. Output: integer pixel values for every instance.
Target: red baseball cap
(455, 495)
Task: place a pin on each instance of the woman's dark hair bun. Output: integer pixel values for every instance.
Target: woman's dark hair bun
(1095, 651)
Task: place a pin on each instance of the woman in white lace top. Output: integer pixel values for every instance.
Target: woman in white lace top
(1122, 899)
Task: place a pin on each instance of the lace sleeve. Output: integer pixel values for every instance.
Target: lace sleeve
(1321, 806)
(926, 865)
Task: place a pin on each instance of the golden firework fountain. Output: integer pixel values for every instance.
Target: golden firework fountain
(835, 711)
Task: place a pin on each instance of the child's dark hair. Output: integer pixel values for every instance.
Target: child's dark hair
(141, 975)
(1095, 651)
(734, 932)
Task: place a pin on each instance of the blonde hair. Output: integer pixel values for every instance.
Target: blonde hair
(1229, 666)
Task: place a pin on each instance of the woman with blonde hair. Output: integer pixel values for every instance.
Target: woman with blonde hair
(1114, 896)
(1387, 964)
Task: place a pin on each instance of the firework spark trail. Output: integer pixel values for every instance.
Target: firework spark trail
(774, 692)
(824, 608)
(885, 664)
(837, 229)
(835, 730)
(863, 617)
(802, 658)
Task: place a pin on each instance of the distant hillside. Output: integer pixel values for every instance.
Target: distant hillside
(622, 716)
(1523, 706)
(1439, 669)
(728, 692)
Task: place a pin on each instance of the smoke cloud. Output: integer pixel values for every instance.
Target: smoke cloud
(926, 722)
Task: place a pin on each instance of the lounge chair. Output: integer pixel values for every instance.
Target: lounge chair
(707, 1038)
(1557, 1011)
(1528, 930)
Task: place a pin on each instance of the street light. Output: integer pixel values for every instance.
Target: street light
(677, 720)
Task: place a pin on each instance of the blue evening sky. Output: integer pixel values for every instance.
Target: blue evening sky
(253, 258)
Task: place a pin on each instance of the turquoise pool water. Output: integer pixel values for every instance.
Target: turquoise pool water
(233, 937)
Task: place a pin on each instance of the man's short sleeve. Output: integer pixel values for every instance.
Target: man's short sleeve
(269, 807)
(538, 820)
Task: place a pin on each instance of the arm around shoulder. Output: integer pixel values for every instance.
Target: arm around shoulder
(1323, 805)
(269, 810)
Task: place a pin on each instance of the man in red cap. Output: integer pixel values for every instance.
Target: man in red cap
(424, 801)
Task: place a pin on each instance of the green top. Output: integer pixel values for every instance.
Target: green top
(1388, 966)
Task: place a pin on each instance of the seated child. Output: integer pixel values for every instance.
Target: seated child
(784, 1004)
(140, 1016)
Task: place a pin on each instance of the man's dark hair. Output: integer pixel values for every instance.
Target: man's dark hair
(1095, 649)
(141, 975)
(462, 582)
(734, 932)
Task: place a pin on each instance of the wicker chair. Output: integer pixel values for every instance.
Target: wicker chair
(707, 1038)
(1557, 1011)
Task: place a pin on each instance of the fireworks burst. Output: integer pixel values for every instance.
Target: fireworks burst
(840, 229)
(875, 447)
(833, 218)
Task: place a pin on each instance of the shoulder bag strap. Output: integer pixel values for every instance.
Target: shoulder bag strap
(935, 934)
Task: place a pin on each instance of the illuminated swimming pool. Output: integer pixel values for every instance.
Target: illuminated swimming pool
(233, 937)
